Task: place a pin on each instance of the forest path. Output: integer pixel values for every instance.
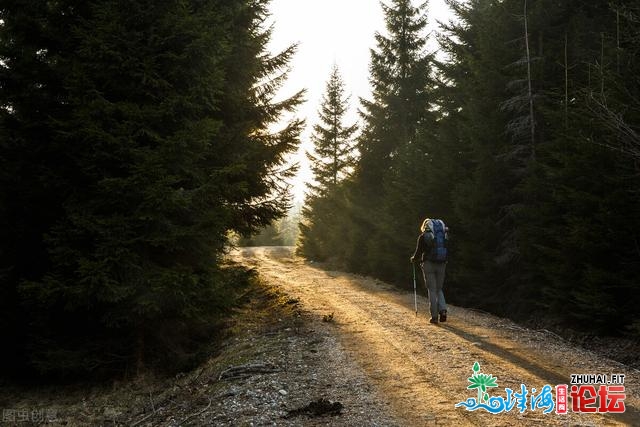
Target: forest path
(422, 369)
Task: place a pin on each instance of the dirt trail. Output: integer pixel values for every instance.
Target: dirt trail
(422, 369)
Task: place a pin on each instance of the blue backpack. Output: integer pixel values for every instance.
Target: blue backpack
(436, 238)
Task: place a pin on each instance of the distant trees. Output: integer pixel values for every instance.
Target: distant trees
(282, 232)
(357, 226)
(133, 137)
(525, 140)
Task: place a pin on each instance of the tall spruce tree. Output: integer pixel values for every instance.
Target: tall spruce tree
(134, 137)
(331, 162)
(562, 272)
(399, 75)
(400, 78)
(477, 78)
(332, 139)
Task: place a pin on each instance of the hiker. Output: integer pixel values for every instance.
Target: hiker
(431, 252)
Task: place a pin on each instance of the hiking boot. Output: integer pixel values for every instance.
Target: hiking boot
(443, 316)
(433, 320)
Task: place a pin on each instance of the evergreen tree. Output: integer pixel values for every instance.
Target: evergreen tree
(476, 85)
(400, 77)
(531, 157)
(528, 222)
(332, 139)
(593, 274)
(136, 136)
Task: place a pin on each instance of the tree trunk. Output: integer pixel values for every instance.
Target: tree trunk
(566, 84)
(139, 350)
(529, 86)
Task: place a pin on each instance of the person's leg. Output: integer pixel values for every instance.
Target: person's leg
(439, 270)
(440, 273)
(431, 283)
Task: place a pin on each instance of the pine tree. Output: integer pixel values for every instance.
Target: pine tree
(332, 139)
(475, 128)
(137, 137)
(400, 76)
(331, 163)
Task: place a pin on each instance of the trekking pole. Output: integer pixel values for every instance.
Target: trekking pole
(415, 293)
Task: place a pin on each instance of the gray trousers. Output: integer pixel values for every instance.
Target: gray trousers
(434, 280)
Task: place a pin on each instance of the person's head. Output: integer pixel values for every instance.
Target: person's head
(425, 225)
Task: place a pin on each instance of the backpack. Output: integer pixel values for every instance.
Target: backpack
(436, 239)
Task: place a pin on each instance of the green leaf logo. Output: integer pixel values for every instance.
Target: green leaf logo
(481, 382)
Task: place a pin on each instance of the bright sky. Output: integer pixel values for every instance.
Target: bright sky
(328, 32)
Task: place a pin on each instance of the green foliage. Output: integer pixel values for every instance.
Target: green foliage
(399, 76)
(135, 137)
(541, 236)
(333, 158)
(371, 230)
(524, 142)
(331, 163)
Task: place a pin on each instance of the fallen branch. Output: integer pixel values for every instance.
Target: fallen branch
(137, 423)
(244, 371)
(196, 414)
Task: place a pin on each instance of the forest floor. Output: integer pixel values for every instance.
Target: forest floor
(319, 347)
